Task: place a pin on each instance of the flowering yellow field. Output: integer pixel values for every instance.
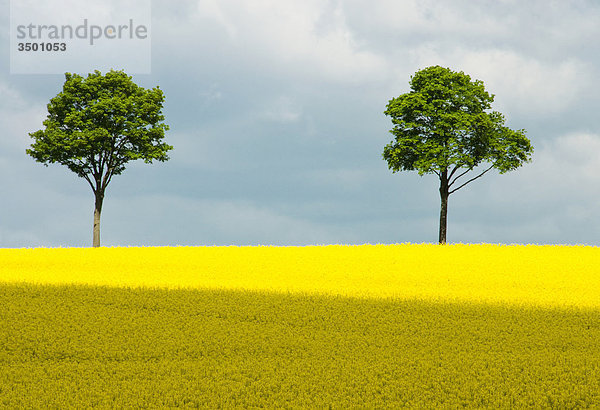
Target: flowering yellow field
(524, 275)
(269, 327)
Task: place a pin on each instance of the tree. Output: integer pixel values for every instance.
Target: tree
(444, 126)
(96, 125)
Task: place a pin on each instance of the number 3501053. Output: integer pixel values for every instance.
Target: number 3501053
(42, 47)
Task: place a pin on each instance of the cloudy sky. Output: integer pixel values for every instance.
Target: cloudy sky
(276, 115)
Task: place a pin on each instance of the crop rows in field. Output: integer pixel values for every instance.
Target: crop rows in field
(82, 346)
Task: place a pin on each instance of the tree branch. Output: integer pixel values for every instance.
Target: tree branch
(468, 170)
(83, 168)
(472, 179)
(109, 173)
(110, 165)
(87, 178)
(94, 166)
(120, 145)
(102, 163)
(452, 173)
(107, 178)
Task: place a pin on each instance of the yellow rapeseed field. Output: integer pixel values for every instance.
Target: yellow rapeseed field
(371, 326)
(522, 275)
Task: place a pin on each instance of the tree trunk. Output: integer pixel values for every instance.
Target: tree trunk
(97, 212)
(444, 206)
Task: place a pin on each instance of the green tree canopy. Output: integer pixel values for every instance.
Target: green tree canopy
(444, 126)
(96, 125)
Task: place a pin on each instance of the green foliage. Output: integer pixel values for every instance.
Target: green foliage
(96, 125)
(443, 124)
(81, 347)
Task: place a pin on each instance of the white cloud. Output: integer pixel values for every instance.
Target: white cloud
(552, 26)
(283, 109)
(553, 199)
(570, 165)
(424, 18)
(296, 90)
(206, 222)
(293, 35)
(11, 98)
(563, 172)
(526, 84)
(521, 84)
(537, 57)
(212, 10)
(65, 11)
(18, 117)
